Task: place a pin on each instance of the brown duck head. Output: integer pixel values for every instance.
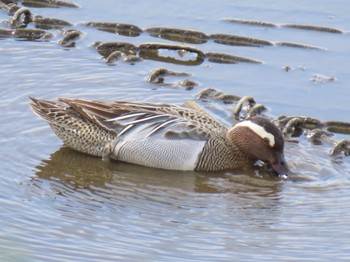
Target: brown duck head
(260, 139)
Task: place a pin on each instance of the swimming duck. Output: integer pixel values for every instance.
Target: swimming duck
(162, 136)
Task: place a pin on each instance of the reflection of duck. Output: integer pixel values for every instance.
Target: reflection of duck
(79, 171)
(84, 171)
(162, 136)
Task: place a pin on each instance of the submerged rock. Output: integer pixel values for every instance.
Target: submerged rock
(250, 22)
(321, 79)
(342, 147)
(229, 59)
(69, 38)
(297, 45)
(158, 77)
(49, 3)
(210, 93)
(177, 54)
(178, 35)
(118, 28)
(28, 34)
(9, 8)
(338, 127)
(106, 49)
(314, 28)
(236, 40)
(49, 23)
(21, 18)
(317, 135)
(158, 74)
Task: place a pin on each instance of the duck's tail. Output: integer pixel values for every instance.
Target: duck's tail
(75, 131)
(50, 111)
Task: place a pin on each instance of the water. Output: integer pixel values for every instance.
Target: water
(60, 205)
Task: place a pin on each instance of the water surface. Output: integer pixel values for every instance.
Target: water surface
(60, 205)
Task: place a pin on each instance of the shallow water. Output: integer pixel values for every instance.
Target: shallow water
(60, 205)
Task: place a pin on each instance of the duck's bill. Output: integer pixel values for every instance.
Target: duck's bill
(280, 166)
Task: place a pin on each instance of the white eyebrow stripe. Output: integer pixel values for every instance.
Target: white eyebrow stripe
(259, 130)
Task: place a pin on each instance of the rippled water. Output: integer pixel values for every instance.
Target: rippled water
(60, 205)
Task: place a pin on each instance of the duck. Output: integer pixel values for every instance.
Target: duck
(165, 136)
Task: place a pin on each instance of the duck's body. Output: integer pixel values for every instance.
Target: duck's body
(155, 135)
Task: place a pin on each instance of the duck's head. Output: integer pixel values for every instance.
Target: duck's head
(260, 139)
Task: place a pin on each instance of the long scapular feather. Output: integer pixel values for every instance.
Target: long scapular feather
(127, 116)
(145, 119)
(160, 126)
(125, 129)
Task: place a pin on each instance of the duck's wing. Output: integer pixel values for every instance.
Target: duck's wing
(143, 120)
